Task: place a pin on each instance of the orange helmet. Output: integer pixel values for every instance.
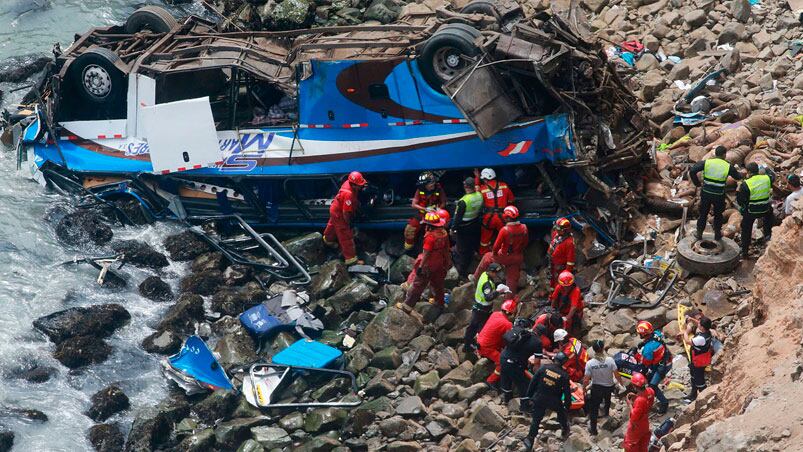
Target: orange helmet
(562, 224)
(509, 306)
(638, 379)
(510, 213)
(355, 177)
(433, 219)
(566, 278)
(444, 214)
(644, 328)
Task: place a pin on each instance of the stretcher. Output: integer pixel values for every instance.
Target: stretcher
(195, 369)
(578, 396)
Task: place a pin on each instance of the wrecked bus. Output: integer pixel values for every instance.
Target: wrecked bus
(188, 120)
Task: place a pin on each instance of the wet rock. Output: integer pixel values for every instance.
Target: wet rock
(208, 262)
(324, 419)
(20, 68)
(331, 277)
(237, 346)
(309, 248)
(236, 275)
(426, 385)
(182, 316)
(81, 227)
(107, 402)
(149, 429)
(350, 297)
(411, 406)
(250, 446)
(229, 434)
(105, 438)
(234, 301)
(140, 254)
(359, 357)
(24, 414)
(37, 374)
(217, 405)
(153, 288)
(99, 321)
(387, 358)
(6, 440)
(202, 283)
(391, 327)
(185, 246)
(400, 269)
(162, 343)
(271, 437)
(82, 351)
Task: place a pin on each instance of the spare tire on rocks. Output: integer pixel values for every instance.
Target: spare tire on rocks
(708, 257)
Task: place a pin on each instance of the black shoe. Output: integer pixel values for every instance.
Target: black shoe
(663, 407)
(528, 443)
(565, 434)
(593, 431)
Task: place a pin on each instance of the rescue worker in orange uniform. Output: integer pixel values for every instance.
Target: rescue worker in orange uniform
(567, 300)
(436, 259)
(429, 197)
(508, 249)
(561, 250)
(637, 435)
(576, 354)
(445, 216)
(341, 212)
(496, 196)
(546, 324)
(491, 338)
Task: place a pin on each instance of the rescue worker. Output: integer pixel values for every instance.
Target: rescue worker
(549, 390)
(522, 346)
(341, 212)
(491, 338)
(561, 250)
(508, 248)
(701, 354)
(600, 379)
(466, 227)
(444, 215)
(576, 354)
(753, 196)
(546, 324)
(428, 197)
(568, 302)
(715, 174)
(637, 435)
(436, 260)
(656, 358)
(484, 295)
(496, 196)
(793, 180)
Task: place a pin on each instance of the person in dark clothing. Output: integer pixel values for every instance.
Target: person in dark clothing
(715, 174)
(549, 390)
(701, 353)
(521, 346)
(465, 227)
(753, 197)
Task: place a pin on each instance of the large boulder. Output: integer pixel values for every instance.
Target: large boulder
(229, 434)
(153, 288)
(350, 297)
(140, 254)
(234, 301)
(182, 316)
(411, 406)
(100, 321)
(205, 283)
(620, 321)
(105, 438)
(400, 269)
(462, 298)
(162, 343)
(484, 419)
(289, 14)
(107, 402)
(83, 227)
(310, 248)
(80, 351)
(185, 246)
(236, 347)
(392, 326)
(271, 437)
(426, 385)
(331, 277)
(217, 405)
(213, 260)
(383, 11)
(149, 429)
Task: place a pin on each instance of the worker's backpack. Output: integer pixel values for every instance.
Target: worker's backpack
(517, 336)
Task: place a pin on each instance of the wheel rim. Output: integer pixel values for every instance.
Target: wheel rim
(97, 81)
(448, 62)
(707, 247)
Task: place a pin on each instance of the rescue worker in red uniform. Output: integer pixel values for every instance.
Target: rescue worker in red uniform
(546, 324)
(341, 212)
(446, 217)
(561, 250)
(508, 249)
(436, 259)
(490, 339)
(567, 300)
(576, 354)
(496, 196)
(637, 435)
(428, 197)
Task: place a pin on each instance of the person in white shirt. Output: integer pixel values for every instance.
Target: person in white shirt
(797, 193)
(601, 376)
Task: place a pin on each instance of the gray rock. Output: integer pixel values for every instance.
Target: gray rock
(212, 261)
(290, 14)
(484, 419)
(182, 316)
(460, 375)
(448, 391)
(740, 10)
(439, 428)
(620, 321)
(411, 406)
(271, 437)
(717, 304)
(107, 402)
(422, 343)
(453, 411)
(103, 437)
(379, 386)
(185, 246)
(201, 441)
(403, 446)
(98, 321)
(383, 11)
(595, 6)
(318, 444)
(349, 297)
(695, 18)
(205, 283)
(392, 326)
(237, 347)
(149, 429)
(393, 426)
(250, 446)
(331, 277)
(732, 32)
(359, 357)
(387, 358)
(229, 434)
(153, 288)
(400, 269)
(798, 81)
(162, 343)
(234, 301)
(426, 385)
(652, 84)
(217, 405)
(324, 419)
(462, 298)
(82, 351)
(656, 316)
(731, 62)
(140, 254)
(237, 275)
(472, 392)
(292, 422)
(309, 247)
(482, 369)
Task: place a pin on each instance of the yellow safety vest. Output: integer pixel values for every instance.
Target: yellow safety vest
(759, 186)
(479, 296)
(473, 203)
(715, 173)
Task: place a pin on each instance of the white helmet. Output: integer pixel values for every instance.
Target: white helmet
(560, 334)
(488, 174)
(502, 288)
(698, 341)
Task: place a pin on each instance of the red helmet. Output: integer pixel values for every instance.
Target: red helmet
(355, 177)
(562, 224)
(433, 219)
(509, 306)
(644, 328)
(444, 214)
(510, 213)
(638, 379)
(566, 278)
